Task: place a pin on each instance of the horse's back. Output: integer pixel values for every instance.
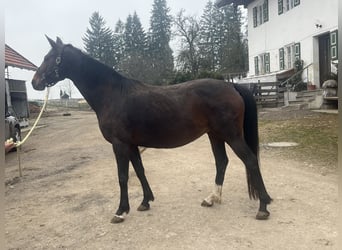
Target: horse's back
(216, 95)
(205, 105)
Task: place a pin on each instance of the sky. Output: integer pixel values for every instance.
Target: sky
(27, 22)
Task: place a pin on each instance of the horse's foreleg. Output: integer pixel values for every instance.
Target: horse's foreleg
(139, 170)
(221, 162)
(122, 158)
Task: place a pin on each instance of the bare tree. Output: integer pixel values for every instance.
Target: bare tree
(187, 28)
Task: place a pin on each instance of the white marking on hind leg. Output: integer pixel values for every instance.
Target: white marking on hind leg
(215, 196)
(122, 217)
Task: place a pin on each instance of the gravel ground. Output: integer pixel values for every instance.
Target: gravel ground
(69, 193)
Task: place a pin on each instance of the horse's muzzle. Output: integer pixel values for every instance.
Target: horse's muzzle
(37, 83)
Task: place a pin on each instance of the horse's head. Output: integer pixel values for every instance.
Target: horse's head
(49, 72)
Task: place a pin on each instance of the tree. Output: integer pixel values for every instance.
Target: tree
(210, 33)
(135, 46)
(222, 47)
(98, 40)
(187, 28)
(160, 52)
(118, 44)
(232, 61)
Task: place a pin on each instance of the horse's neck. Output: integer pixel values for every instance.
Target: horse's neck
(94, 80)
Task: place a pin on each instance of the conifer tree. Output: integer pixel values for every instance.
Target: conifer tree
(232, 45)
(135, 46)
(119, 44)
(160, 52)
(210, 34)
(98, 40)
(222, 48)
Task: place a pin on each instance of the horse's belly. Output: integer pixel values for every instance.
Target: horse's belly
(172, 140)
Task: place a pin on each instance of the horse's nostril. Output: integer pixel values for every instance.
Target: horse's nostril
(36, 84)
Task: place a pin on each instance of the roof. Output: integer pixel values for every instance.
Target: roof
(221, 3)
(14, 59)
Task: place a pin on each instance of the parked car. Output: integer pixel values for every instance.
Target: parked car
(12, 128)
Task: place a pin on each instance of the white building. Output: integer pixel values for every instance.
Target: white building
(281, 31)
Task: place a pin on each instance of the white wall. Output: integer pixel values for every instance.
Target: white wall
(295, 25)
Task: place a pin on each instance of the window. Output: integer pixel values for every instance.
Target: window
(260, 14)
(333, 45)
(281, 59)
(265, 10)
(280, 7)
(267, 62)
(286, 5)
(288, 55)
(297, 51)
(256, 65)
(262, 64)
(255, 16)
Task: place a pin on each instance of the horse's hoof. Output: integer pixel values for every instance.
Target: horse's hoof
(206, 204)
(143, 207)
(262, 215)
(117, 219)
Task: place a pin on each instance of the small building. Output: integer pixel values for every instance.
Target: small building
(283, 31)
(16, 95)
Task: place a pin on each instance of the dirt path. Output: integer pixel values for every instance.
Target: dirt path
(69, 194)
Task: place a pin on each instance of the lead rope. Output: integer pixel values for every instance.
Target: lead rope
(142, 149)
(19, 143)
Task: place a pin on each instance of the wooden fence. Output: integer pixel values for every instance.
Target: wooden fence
(267, 94)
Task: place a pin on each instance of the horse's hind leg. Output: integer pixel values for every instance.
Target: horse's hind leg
(221, 162)
(256, 186)
(139, 170)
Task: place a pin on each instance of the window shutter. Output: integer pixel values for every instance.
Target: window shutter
(296, 2)
(255, 16)
(267, 62)
(280, 7)
(281, 59)
(265, 10)
(256, 65)
(333, 45)
(297, 51)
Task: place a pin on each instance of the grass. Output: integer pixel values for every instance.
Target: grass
(317, 136)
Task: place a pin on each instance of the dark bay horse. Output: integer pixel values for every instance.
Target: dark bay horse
(132, 114)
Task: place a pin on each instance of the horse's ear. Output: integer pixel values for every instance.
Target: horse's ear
(52, 42)
(59, 41)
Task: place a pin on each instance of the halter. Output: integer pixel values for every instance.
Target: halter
(54, 73)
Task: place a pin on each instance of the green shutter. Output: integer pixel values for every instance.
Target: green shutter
(296, 2)
(334, 45)
(265, 10)
(267, 62)
(297, 51)
(280, 7)
(281, 59)
(255, 16)
(256, 65)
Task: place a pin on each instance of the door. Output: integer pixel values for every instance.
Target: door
(324, 58)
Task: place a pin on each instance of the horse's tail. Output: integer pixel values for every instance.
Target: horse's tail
(250, 129)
